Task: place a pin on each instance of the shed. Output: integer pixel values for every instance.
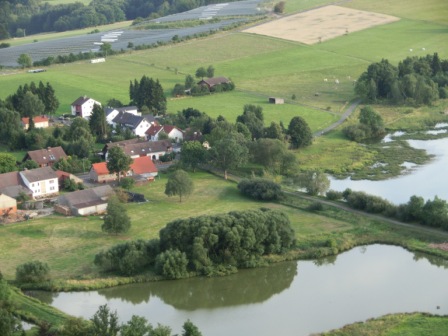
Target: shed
(8, 205)
(275, 100)
(87, 202)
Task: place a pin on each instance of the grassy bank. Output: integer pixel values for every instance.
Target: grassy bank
(416, 324)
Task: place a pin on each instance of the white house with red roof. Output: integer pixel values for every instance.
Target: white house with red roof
(39, 122)
(173, 133)
(83, 107)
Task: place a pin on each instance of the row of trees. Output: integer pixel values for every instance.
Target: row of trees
(416, 81)
(433, 213)
(204, 245)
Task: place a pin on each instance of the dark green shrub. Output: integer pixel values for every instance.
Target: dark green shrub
(172, 264)
(334, 195)
(260, 189)
(32, 272)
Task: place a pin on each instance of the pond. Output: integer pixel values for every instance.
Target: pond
(427, 181)
(288, 299)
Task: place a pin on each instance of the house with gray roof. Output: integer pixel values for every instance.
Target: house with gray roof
(112, 112)
(137, 124)
(11, 185)
(83, 107)
(85, 202)
(138, 147)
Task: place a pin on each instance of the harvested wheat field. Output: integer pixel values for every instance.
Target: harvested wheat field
(321, 24)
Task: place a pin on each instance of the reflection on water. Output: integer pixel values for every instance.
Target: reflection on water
(245, 287)
(288, 299)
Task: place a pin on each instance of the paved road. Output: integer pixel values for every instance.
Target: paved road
(352, 107)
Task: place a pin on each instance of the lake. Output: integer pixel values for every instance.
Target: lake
(288, 299)
(427, 180)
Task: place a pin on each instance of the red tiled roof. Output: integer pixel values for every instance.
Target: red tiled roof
(142, 165)
(153, 130)
(37, 119)
(100, 168)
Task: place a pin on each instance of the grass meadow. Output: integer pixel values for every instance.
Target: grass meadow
(69, 244)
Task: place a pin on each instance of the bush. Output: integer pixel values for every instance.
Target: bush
(315, 206)
(127, 183)
(172, 264)
(32, 272)
(260, 189)
(334, 195)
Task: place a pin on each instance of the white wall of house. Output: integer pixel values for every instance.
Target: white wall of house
(142, 128)
(111, 116)
(176, 135)
(42, 188)
(85, 110)
(95, 209)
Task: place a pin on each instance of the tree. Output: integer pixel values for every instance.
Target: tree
(31, 105)
(75, 326)
(118, 162)
(32, 271)
(274, 155)
(136, 326)
(116, 220)
(193, 154)
(97, 122)
(274, 131)
(106, 48)
(25, 61)
(229, 152)
(50, 101)
(7, 163)
(201, 72)
(189, 329)
(179, 184)
(314, 182)
(10, 325)
(104, 322)
(189, 82)
(300, 133)
(373, 121)
(210, 71)
(252, 117)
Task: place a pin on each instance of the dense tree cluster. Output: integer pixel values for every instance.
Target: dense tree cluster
(204, 245)
(9, 324)
(370, 126)
(432, 213)
(416, 81)
(148, 92)
(260, 189)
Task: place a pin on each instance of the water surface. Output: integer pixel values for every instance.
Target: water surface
(288, 299)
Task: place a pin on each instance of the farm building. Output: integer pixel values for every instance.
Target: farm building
(141, 167)
(85, 202)
(8, 205)
(138, 147)
(211, 82)
(274, 100)
(39, 122)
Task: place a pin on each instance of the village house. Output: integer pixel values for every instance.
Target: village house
(137, 147)
(84, 202)
(43, 182)
(174, 133)
(211, 82)
(45, 157)
(11, 185)
(112, 112)
(137, 124)
(39, 122)
(8, 205)
(142, 169)
(83, 107)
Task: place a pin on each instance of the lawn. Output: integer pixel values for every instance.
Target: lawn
(69, 244)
